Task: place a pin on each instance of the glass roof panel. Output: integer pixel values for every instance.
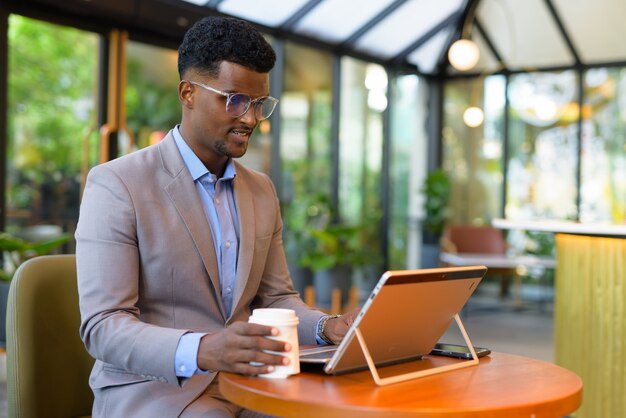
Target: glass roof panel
(267, 12)
(405, 25)
(487, 61)
(524, 33)
(426, 57)
(596, 28)
(335, 20)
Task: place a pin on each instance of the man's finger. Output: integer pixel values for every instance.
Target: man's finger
(245, 328)
(263, 343)
(253, 370)
(260, 357)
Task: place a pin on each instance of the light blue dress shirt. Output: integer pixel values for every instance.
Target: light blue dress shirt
(218, 202)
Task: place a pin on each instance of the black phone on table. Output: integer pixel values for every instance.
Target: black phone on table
(458, 351)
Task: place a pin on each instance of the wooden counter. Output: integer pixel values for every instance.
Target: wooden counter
(564, 227)
(590, 309)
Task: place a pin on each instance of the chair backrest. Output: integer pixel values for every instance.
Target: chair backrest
(47, 364)
(474, 239)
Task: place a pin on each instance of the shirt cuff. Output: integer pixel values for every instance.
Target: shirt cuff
(318, 340)
(186, 357)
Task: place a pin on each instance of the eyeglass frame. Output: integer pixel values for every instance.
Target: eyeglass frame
(228, 96)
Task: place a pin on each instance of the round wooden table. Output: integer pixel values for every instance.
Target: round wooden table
(502, 385)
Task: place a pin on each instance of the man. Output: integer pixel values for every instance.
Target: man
(178, 242)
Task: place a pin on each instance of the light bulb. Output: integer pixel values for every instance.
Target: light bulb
(473, 116)
(463, 54)
(546, 109)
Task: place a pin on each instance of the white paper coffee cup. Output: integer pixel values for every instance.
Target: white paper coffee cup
(286, 321)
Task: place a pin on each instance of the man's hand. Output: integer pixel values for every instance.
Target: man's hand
(233, 348)
(335, 329)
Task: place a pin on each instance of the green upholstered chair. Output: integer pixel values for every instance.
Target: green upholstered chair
(47, 364)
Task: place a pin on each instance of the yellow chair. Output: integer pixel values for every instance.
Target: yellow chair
(47, 364)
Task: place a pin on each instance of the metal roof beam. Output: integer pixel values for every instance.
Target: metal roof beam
(325, 46)
(297, 16)
(489, 43)
(450, 20)
(555, 68)
(348, 43)
(213, 3)
(463, 31)
(564, 33)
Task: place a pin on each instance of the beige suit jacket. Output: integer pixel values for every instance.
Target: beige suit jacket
(147, 274)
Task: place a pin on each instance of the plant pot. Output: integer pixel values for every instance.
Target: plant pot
(430, 256)
(365, 279)
(324, 281)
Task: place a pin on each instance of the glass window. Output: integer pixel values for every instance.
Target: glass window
(363, 99)
(407, 168)
(305, 123)
(305, 111)
(472, 148)
(603, 165)
(152, 106)
(543, 146)
(52, 133)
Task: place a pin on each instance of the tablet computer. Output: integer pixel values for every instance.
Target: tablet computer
(403, 318)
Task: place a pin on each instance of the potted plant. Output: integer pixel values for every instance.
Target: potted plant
(369, 260)
(332, 258)
(334, 245)
(324, 252)
(436, 191)
(15, 251)
(333, 250)
(301, 217)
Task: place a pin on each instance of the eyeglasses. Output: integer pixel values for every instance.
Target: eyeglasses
(237, 104)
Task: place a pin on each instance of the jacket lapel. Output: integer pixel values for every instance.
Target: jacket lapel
(184, 196)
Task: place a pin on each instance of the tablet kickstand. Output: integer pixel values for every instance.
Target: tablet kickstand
(382, 381)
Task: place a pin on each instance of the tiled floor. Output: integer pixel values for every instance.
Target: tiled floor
(490, 322)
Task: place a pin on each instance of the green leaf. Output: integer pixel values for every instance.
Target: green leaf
(41, 248)
(16, 251)
(10, 243)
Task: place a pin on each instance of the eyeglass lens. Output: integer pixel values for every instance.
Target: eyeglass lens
(264, 108)
(239, 103)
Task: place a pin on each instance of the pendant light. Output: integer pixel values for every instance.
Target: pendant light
(464, 54)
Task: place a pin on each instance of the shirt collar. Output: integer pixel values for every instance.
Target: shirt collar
(196, 168)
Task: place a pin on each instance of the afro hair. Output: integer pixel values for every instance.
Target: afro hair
(213, 39)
